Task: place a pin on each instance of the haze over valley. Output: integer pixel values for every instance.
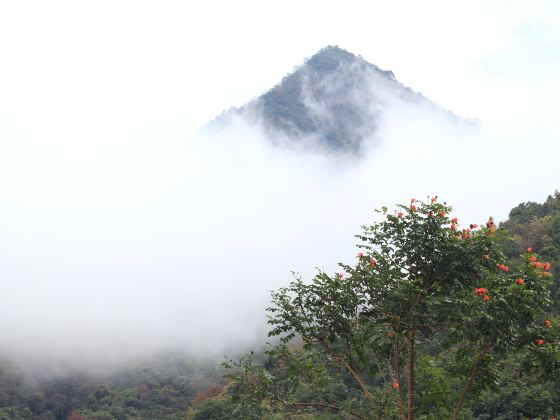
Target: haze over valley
(163, 169)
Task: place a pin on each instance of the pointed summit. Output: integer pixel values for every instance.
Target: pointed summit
(334, 100)
(329, 58)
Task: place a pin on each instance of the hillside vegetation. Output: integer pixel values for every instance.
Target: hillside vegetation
(306, 376)
(353, 330)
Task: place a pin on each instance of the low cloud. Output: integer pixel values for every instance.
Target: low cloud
(121, 248)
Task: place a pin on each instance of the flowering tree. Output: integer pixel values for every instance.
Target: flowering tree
(422, 279)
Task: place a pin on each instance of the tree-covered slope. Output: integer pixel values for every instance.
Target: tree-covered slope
(537, 226)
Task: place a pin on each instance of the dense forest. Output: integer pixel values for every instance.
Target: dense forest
(495, 350)
(160, 389)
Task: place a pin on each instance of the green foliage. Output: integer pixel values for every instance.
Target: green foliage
(340, 335)
(427, 314)
(159, 390)
(537, 226)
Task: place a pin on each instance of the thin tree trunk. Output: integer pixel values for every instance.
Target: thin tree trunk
(411, 372)
(398, 368)
(474, 371)
(329, 406)
(356, 376)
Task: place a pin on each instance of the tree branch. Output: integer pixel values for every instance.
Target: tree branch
(474, 371)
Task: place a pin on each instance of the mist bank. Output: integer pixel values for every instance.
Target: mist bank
(117, 246)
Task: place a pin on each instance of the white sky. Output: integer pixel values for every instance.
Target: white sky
(117, 62)
(114, 230)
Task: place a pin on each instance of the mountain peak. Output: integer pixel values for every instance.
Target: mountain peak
(334, 100)
(331, 57)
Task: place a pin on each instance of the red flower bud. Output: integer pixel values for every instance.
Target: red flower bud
(455, 220)
(520, 281)
(547, 323)
(372, 263)
(453, 226)
(529, 250)
(395, 385)
(360, 255)
(539, 342)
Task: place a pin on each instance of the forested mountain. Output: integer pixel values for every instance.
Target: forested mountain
(334, 100)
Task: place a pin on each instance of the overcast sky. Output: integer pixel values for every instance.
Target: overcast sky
(117, 62)
(119, 230)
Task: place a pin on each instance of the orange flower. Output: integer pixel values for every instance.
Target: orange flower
(520, 281)
(412, 208)
(486, 297)
(395, 385)
(400, 214)
(539, 342)
(532, 259)
(481, 291)
(455, 220)
(546, 266)
(502, 267)
(442, 213)
(434, 199)
(529, 250)
(453, 226)
(547, 323)
(473, 226)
